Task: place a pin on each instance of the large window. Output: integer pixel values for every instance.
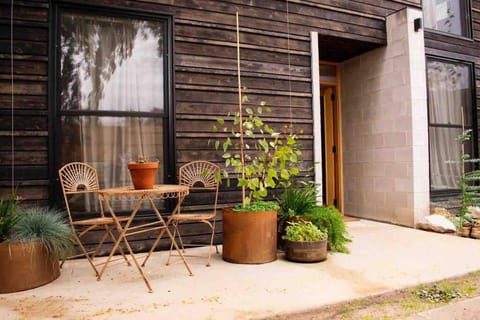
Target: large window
(113, 92)
(450, 16)
(450, 107)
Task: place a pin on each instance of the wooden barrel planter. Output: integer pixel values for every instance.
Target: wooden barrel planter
(26, 265)
(249, 237)
(306, 251)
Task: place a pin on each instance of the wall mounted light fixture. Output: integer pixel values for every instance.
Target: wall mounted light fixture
(417, 24)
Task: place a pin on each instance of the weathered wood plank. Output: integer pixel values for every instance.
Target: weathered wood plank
(23, 102)
(33, 123)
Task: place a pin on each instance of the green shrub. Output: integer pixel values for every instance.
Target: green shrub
(330, 219)
(304, 231)
(46, 225)
(257, 206)
(297, 201)
(8, 216)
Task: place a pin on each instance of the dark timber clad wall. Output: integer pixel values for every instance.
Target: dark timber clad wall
(205, 71)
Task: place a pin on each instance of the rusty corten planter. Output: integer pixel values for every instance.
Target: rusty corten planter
(143, 174)
(26, 265)
(307, 251)
(249, 237)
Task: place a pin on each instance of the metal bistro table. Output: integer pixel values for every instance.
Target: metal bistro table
(162, 191)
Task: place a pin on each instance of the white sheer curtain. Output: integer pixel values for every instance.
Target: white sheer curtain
(113, 66)
(448, 94)
(445, 15)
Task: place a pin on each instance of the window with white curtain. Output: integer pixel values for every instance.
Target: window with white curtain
(450, 16)
(450, 111)
(113, 88)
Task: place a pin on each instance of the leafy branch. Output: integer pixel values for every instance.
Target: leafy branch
(263, 157)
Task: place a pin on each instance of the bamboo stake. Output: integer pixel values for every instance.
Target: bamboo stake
(240, 109)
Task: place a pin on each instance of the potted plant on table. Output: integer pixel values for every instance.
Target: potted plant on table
(143, 173)
(32, 241)
(304, 242)
(262, 159)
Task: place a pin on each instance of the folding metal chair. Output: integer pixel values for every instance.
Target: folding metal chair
(77, 178)
(199, 176)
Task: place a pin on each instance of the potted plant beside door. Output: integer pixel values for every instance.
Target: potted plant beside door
(262, 159)
(304, 242)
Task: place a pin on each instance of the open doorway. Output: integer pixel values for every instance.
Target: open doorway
(331, 135)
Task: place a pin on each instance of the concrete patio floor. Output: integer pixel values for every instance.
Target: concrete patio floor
(383, 258)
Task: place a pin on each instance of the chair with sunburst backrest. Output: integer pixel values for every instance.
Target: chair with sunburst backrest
(78, 178)
(199, 176)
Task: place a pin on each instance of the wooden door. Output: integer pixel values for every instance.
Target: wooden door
(330, 139)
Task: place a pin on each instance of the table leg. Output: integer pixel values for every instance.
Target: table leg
(168, 232)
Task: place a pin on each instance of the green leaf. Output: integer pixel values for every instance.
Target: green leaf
(249, 110)
(242, 182)
(227, 144)
(291, 140)
(284, 174)
(248, 125)
(217, 144)
(221, 120)
(226, 155)
(214, 128)
(264, 145)
(272, 173)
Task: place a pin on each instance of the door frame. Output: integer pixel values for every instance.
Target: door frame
(317, 121)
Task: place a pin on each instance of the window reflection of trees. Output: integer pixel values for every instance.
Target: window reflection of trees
(92, 48)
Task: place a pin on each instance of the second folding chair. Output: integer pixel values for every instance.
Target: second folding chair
(199, 176)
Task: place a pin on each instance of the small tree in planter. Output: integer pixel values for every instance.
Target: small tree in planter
(262, 159)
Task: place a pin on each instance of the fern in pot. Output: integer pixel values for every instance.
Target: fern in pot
(261, 159)
(30, 253)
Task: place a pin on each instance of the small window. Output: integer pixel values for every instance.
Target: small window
(450, 110)
(449, 16)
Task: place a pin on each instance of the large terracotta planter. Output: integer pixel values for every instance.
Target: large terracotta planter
(249, 237)
(313, 251)
(26, 265)
(143, 174)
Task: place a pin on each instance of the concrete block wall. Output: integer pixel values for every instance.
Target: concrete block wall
(385, 129)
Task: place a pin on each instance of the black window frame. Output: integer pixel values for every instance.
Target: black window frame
(55, 114)
(447, 193)
(467, 7)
